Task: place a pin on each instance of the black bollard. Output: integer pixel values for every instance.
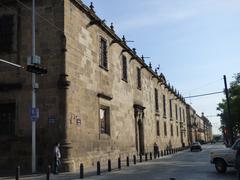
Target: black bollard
(17, 172)
(146, 157)
(150, 155)
(134, 159)
(109, 165)
(162, 153)
(119, 163)
(98, 168)
(48, 172)
(172, 178)
(81, 171)
(140, 160)
(127, 161)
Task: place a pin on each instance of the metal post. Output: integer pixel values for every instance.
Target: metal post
(17, 172)
(119, 163)
(81, 171)
(127, 161)
(134, 159)
(109, 165)
(146, 157)
(140, 160)
(150, 155)
(98, 168)
(230, 121)
(48, 172)
(33, 91)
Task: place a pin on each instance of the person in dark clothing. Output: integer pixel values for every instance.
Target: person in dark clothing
(155, 149)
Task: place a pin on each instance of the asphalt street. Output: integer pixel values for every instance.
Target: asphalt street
(184, 165)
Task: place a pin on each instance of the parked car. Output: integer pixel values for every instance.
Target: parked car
(196, 146)
(226, 157)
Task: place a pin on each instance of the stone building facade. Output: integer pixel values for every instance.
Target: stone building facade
(99, 99)
(199, 127)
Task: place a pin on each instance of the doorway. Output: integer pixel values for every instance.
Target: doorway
(141, 137)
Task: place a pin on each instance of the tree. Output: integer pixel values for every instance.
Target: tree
(234, 98)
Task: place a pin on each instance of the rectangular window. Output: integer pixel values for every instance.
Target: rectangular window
(158, 129)
(164, 106)
(139, 83)
(6, 33)
(183, 115)
(180, 113)
(170, 107)
(156, 100)
(171, 130)
(103, 53)
(165, 128)
(176, 111)
(104, 120)
(124, 68)
(177, 131)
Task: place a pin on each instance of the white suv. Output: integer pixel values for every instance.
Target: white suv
(225, 157)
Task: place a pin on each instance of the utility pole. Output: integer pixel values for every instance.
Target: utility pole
(33, 59)
(230, 122)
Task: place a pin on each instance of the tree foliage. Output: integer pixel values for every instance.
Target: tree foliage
(234, 98)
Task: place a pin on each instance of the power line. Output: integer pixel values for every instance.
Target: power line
(43, 18)
(211, 116)
(207, 84)
(49, 22)
(204, 94)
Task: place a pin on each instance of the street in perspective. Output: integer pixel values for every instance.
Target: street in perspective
(184, 165)
(124, 89)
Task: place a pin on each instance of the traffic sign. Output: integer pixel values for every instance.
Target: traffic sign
(34, 114)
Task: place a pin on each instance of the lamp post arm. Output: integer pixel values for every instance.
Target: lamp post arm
(10, 63)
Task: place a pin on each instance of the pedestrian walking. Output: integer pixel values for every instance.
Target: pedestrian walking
(57, 157)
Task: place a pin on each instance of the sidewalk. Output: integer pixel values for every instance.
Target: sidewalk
(89, 172)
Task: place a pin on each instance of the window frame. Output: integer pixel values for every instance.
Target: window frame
(103, 55)
(165, 128)
(139, 79)
(176, 112)
(156, 100)
(124, 68)
(170, 108)
(158, 128)
(177, 131)
(171, 127)
(105, 123)
(164, 106)
(180, 113)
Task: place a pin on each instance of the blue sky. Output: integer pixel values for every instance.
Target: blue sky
(195, 42)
